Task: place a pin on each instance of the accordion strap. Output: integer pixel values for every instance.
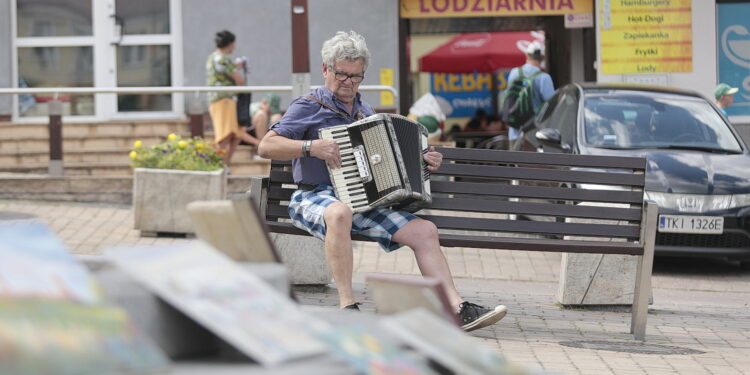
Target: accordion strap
(345, 115)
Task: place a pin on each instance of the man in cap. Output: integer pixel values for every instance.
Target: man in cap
(543, 88)
(724, 96)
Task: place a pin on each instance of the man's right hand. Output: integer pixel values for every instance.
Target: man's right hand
(327, 150)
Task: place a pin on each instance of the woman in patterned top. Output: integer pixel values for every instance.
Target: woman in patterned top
(221, 71)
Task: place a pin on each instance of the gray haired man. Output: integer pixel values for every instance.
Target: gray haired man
(315, 208)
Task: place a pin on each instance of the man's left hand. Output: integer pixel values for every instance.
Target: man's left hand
(433, 159)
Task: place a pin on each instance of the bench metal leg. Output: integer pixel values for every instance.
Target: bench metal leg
(643, 274)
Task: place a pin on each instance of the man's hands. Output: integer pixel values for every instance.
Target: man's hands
(327, 150)
(433, 159)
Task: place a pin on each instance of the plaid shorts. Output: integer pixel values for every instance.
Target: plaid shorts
(306, 211)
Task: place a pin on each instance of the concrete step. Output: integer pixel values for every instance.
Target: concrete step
(102, 129)
(106, 189)
(123, 168)
(113, 154)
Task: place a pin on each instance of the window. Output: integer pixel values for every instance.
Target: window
(58, 44)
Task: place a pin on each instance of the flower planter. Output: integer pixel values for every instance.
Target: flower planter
(160, 197)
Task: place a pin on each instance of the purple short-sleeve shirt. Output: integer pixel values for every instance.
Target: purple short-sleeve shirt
(304, 118)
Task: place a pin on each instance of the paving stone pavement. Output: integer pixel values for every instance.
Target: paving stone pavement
(699, 305)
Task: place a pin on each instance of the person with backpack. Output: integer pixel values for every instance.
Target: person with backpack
(528, 88)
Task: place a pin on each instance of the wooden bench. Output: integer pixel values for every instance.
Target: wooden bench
(580, 203)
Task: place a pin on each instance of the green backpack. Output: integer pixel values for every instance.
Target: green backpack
(517, 102)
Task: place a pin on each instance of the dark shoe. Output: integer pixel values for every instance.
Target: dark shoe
(353, 306)
(473, 316)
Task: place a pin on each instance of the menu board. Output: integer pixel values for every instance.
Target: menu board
(646, 36)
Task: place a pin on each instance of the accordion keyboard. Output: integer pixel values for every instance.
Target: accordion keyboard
(349, 174)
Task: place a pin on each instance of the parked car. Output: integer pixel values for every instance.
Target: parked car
(698, 166)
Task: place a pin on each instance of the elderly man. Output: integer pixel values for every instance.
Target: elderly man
(315, 208)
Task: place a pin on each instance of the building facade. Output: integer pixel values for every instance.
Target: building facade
(120, 43)
(109, 43)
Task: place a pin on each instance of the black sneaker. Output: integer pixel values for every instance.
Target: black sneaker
(353, 306)
(473, 316)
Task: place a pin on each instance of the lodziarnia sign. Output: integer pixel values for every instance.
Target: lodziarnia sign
(492, 8)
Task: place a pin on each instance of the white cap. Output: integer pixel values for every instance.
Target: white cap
(535, 47)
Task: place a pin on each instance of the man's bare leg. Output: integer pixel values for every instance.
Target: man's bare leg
(338, 246)
(422, 236)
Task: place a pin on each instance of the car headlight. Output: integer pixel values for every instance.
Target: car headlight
(698, 202)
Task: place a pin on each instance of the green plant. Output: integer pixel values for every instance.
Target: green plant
(192, 154)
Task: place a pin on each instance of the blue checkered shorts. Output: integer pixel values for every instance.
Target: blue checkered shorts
(306, 209)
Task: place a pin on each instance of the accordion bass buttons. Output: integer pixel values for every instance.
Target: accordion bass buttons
(376, 159)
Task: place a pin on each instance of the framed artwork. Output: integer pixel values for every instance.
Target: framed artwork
(396, 293)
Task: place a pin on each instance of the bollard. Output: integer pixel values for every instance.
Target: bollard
(195, 111)
(54, 108)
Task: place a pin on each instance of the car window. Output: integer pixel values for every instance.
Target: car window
(546, 112)
(622, 120)
(565, 115)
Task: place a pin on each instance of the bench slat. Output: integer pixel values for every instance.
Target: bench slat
(279, 193)
(276, 192)
(283, 177)
(539, 227)
(559, 193)
(509, 243)
(541, 244)
(535, 208)
(275, 212)
(521, 157)
(540, 174)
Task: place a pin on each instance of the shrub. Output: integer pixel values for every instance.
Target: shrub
(192, 154)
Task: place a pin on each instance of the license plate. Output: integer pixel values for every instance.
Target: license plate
(691, 224)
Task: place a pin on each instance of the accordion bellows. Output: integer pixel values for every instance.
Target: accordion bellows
(382, 163)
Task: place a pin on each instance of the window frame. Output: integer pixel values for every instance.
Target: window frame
(105, 61)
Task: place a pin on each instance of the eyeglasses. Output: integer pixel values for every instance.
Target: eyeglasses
(356, 78)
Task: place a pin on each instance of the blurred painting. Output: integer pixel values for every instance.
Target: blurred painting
(53, 319)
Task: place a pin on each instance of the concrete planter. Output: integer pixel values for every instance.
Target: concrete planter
(596, 279)
(160, 197)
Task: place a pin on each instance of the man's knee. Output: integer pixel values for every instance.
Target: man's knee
(420, 231)
(338, 215)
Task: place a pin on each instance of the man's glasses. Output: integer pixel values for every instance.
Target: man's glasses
(356, 78)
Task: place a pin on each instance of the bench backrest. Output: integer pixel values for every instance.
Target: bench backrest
(479, 193)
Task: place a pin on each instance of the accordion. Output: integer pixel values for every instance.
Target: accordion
(381, 163)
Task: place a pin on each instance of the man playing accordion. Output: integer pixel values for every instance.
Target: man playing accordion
(315, 208)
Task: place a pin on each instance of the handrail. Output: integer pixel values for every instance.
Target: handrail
(169, 90)
(196, 117)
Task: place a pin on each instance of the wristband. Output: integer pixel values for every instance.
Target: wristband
(306, 148)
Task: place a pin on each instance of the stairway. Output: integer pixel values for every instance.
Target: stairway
(95, 160)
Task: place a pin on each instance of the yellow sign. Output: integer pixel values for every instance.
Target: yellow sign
(386, 79)
(646, 36)
(492, 8)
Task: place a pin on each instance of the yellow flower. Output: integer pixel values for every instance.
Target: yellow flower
(199, 146)
(133, 155)
(182, 144)
(137, 144)
(172, 137)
